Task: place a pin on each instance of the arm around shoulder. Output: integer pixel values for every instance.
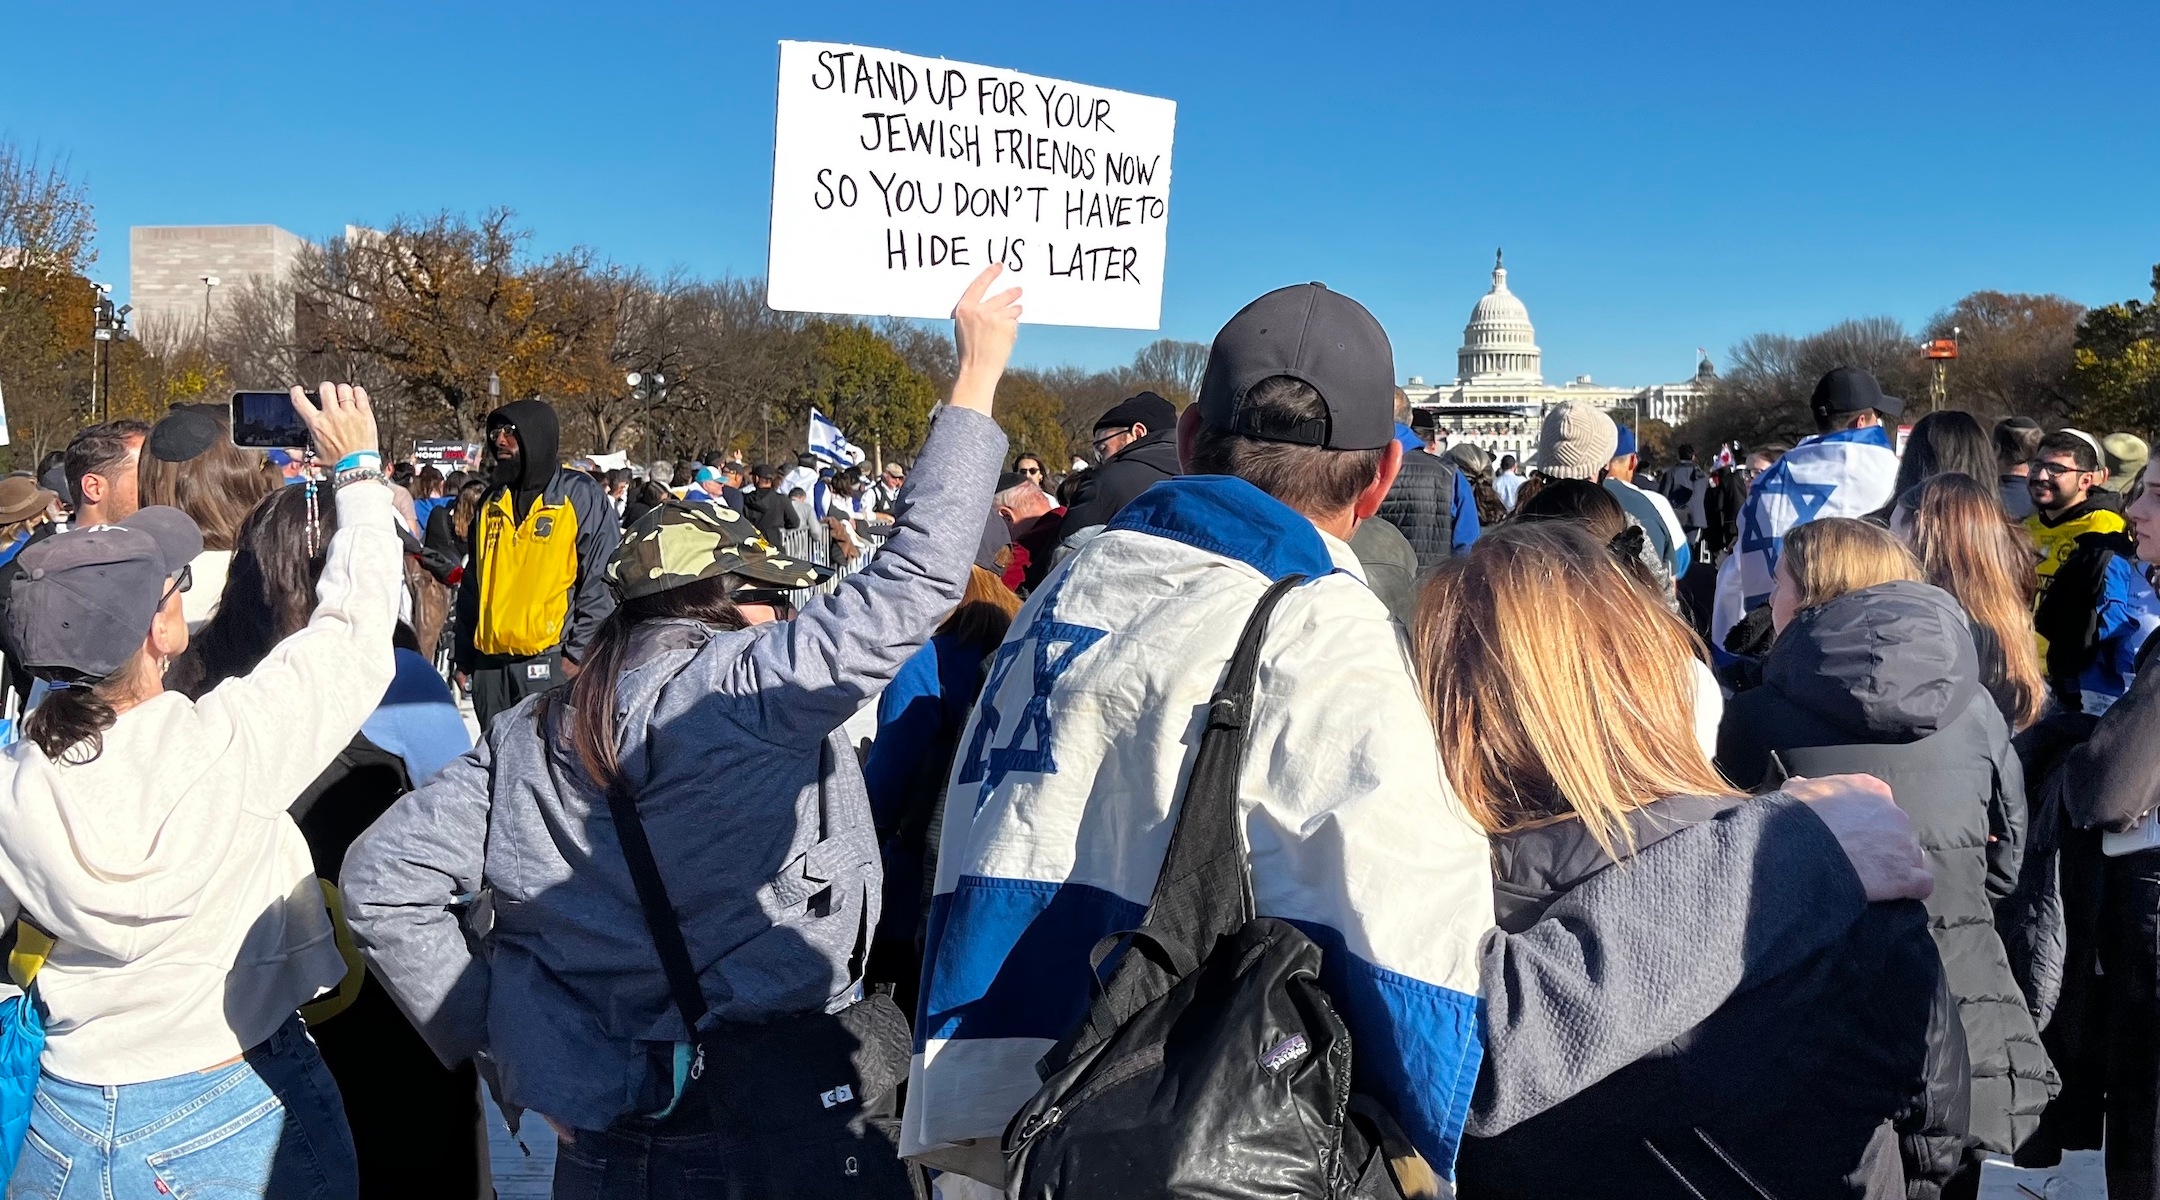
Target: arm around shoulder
(1635, 957)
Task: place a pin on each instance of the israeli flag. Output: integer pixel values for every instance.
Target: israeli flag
(1850, 473)
(828, 443)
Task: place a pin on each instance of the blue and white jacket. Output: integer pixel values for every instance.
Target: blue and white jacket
(1060, 808)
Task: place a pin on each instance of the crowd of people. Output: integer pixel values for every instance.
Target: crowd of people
(1292, 799)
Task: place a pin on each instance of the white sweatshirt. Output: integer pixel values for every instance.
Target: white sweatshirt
(188, 918)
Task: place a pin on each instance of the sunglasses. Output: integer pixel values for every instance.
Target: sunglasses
(1031, 470)
(181, 582)
(769, 597)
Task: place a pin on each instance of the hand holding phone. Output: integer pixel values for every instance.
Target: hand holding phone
(267, 421)
(344, 421)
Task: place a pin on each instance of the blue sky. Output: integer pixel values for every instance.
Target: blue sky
(1663, 176)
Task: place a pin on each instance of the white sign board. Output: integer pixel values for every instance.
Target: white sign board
(896, 179)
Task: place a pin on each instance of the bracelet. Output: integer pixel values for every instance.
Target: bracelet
(360, 475)
(358, 459)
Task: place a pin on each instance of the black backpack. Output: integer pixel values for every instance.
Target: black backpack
(1212, 1064)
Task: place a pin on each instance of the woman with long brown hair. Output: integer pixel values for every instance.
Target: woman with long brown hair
(189, 462)
(1562, 694)
(1970, 549)
(1874, 671)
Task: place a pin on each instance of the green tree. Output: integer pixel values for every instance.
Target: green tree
(2115, 371)
(868, 390)
(1032, 416)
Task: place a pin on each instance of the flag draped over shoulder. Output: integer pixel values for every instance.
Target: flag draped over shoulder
(828, 443)
(1849, 473)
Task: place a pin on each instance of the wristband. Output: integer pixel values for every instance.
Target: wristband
(359, 459)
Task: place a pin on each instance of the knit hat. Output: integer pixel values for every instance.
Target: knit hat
(2125, 455)
(1147, 409)
(1576, 442)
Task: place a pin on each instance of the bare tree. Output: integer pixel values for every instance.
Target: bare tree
(2015, 352)
(1172, 368)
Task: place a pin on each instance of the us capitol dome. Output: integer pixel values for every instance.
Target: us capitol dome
(1499, 395)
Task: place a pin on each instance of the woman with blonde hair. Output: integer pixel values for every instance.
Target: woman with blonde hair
(1969, 548)
(1875, 672)
(1562, 692)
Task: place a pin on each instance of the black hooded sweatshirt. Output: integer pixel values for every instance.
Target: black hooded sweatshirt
(528, 477)
(539, 445)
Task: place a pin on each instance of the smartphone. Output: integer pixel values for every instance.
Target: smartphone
(266, 421)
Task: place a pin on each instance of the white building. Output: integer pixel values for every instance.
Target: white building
(1499, 396)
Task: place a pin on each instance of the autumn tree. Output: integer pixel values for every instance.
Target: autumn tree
(2115, 369)
(2015, 353)
(46, 299)
(443, 304)
(868, 390)
(1032, 416)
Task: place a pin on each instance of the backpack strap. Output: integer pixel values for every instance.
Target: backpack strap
(1204, 890)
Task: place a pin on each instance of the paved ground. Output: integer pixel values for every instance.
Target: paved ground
(521, 1172)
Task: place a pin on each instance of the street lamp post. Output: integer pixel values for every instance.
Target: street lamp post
(208, 282)
(651, 389)
(101, 315)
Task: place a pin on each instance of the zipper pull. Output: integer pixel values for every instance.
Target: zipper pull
(1036, 1124)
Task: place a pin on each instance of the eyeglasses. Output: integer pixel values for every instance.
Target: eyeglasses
(181, 582)
(2049, 470)
(1102, 444)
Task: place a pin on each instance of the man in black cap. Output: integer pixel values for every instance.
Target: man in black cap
(1136, 443)
(535, 589)
(1848, 469)
(1850, 398)
(1072, 765)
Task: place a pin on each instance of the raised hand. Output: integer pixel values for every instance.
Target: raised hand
(345, 422)
(983, 331)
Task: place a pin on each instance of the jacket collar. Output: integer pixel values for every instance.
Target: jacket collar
(1225, 515)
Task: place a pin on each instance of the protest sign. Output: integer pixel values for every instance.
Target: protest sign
(896, 179)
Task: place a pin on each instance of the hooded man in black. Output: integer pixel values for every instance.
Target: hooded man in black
(535, 590)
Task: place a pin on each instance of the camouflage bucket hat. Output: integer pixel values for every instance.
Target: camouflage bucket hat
(679, 542)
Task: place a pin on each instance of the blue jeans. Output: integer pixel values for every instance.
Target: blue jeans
(269, 1126)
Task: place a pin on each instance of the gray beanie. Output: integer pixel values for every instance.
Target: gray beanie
(1577, 442)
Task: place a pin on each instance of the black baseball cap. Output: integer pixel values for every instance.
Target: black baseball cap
(1323, 338)
(1847, 390)
(85, 599)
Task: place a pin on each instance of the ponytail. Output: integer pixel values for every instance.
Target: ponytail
(69, 718)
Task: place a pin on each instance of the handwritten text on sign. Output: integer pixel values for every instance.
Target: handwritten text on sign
(896, 179)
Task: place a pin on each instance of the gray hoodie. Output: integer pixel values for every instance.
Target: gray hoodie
(754, 804)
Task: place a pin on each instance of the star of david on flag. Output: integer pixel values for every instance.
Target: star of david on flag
(1050, 646)
(1849, 473)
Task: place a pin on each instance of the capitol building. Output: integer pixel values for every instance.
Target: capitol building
(1499, 396)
